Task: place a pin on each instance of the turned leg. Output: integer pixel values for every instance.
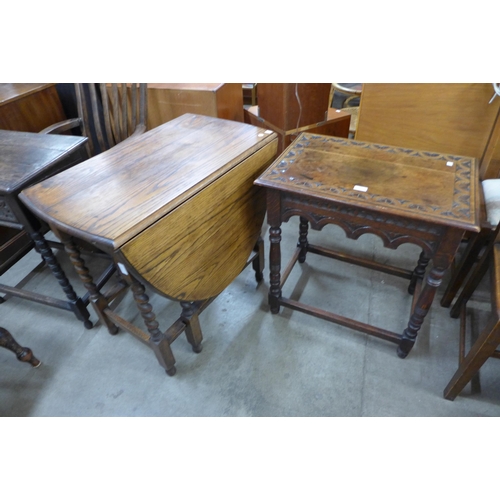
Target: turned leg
(98, 301)
(157, 340)
(424, 302)
(193, 330)
(48, 256)
(23, 353)
(303, 243)
(258, 262)
(418, 272)
(275, 268)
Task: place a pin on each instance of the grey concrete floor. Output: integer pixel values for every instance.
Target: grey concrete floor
(253, 363)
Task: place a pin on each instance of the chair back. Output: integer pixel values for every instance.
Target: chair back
(111, 112)
(451, 118)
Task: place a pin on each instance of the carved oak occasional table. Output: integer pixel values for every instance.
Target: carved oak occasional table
(401, 195)
(177, 210)
(25, 159)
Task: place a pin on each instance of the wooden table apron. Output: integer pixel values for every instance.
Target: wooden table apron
(176, 208)
(314, 179)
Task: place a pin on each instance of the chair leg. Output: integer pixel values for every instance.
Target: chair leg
(23, 353)
(472, 284)
(483, 348)
(463, 267)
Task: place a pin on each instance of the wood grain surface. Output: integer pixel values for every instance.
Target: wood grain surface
(109, 199)
(451, 118)
(26, 156)
(167, 101)
(29, 107)
(197, 250)
(399, 181)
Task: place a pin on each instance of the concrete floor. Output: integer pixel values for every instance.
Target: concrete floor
(253, 363)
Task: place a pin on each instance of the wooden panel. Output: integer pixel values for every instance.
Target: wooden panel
(448, 118)
(167, 101)
(29, 107)
(279, 104)
(336, 125)
(197, 250)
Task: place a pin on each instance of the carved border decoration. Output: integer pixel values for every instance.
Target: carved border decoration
(461, 205)
(356, 221)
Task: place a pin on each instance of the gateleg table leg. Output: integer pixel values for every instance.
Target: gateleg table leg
(157, 340)
(258, 261)
(75, 302)
(98, 301)
(193, 329)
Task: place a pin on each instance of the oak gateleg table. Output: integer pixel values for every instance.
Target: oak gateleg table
(175, 208)
(401, 195)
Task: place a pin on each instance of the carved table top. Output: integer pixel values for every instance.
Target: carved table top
(431, 187)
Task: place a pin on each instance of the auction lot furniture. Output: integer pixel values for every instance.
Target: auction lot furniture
(401, 195)
(177, 210)
(25, 159)
(167, 101)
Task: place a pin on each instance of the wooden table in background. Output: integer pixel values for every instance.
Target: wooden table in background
(167, 101)
(177, 210)
(25, 159)
(399, 194)
(25, 107)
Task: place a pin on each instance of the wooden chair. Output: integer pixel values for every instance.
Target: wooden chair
(107, 114)
(350, 94)
(23, 353)
(490, 218)
(488, 340)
